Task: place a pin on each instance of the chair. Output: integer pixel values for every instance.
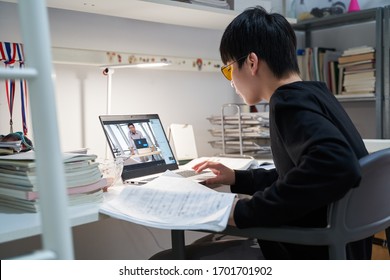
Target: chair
(373, 145)
(362, 212)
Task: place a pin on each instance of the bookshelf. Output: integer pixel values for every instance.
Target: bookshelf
(379, 18)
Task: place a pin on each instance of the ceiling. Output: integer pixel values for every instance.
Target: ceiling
(162, 11)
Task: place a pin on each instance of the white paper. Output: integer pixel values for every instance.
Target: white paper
(172, 203)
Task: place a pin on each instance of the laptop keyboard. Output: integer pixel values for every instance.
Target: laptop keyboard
(189, 173)
(185, 173)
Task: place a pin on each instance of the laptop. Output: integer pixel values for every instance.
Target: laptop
(141, 143)
(152, 155)
(142, 146)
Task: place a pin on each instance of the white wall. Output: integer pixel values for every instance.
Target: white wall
(178, 97)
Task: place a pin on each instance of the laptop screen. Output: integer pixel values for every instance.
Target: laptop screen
(141, 141)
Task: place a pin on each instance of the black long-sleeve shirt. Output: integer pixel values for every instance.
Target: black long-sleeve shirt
(316, 151)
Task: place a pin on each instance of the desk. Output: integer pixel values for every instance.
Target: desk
(17, 224)
(95, 236)
(112, 238)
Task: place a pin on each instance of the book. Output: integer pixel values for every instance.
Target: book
(320, 54)
(6, 151)
(329, 58)
(361, 94)
(27, 159)
(334, 76)
(171, 202)
(358, 50)
(20, 170)
(12, 145)
(314, 63)
(28, 179)
(360, 74)
(359, 82)
(93, 197)
(359, 88)
(340, 79)
(22, 193)
(360, 66)
(357, 57)
(300, 60)
(307, 62)
(310, 72)
(19, 182)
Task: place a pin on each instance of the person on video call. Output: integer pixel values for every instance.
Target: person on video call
(315, 146)
(133, 135)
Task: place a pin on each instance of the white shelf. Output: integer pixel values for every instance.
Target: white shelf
(356, 97)
(17, 224)
(161, 11)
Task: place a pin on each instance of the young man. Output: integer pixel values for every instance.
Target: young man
(316, 148)
(133, 134)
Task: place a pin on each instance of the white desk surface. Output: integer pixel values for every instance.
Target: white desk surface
(17, 224)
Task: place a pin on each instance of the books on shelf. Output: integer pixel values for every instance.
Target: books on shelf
(357, 72)
(330, 69)
(347, 73)
(19, 184)
(315, 64)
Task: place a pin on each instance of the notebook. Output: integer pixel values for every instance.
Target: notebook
(152, 155)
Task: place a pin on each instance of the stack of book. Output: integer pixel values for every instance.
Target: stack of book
(10, 147)
(19, 185)
(357, 72)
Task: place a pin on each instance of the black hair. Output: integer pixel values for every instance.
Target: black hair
(268, 35)
(130, 124)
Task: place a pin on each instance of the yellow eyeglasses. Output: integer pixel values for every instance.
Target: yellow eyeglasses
(228, 69)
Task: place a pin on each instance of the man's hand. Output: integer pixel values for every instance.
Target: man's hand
(224, 175)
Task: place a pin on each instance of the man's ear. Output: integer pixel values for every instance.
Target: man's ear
(253, 62)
